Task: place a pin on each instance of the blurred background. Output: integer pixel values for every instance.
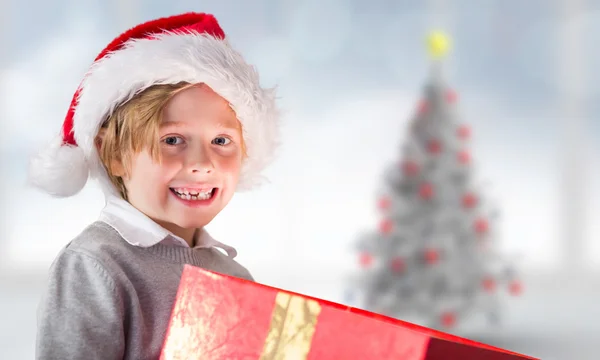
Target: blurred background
(349, 74)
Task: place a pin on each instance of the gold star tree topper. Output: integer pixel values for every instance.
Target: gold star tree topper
(438, 44)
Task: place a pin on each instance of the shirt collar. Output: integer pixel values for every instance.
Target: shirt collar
(139, 230)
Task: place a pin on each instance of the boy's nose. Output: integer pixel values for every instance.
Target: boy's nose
(204, 170)
(201, 163)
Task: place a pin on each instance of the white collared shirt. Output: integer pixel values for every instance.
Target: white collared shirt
(139, 230)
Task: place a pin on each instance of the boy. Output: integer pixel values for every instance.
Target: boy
(171, 121)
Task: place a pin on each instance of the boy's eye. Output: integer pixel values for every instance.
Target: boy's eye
(221, 141)
(173, 140)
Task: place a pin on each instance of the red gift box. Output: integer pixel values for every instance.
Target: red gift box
(221, 317)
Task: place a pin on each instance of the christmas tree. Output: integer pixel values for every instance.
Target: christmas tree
(433, 259)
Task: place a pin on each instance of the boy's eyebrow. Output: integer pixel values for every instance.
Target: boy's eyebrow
(229, 125)
(220, 124)
(171, 123)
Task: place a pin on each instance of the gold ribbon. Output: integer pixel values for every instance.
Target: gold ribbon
(293, 325)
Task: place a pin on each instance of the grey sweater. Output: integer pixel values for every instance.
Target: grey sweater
(107, 299)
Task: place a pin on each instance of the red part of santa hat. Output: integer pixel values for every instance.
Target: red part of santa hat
(190, 48)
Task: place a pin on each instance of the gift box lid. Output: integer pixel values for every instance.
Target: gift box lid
(214, 311)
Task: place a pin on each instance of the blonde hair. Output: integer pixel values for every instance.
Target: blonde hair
(134, 127)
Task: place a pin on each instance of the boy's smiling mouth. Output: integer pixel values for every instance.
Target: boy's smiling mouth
(194, 194)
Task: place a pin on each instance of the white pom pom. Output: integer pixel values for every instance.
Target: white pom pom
(60, 170)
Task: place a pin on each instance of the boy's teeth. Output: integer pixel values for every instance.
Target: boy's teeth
(194, 194)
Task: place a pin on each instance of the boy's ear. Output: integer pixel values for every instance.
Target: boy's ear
(99, 138)
(116, 166)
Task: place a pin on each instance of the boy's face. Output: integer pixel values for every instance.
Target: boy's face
(201, 156)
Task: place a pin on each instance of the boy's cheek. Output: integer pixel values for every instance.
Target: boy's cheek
(233, 163)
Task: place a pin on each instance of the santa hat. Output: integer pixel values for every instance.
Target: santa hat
(184, 48)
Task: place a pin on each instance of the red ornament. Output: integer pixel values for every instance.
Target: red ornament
(464, 157)
(410, 168)
(515, 288)
(398, 265)
(463, 132)
(384, 203)
(423, 107)
(481, 226)
(489, 284)
(448, 319)
(451, 96)
(434, 147)
(386, 226)
(426, 191)
(469, 200)
(432, 256)
(365, 259)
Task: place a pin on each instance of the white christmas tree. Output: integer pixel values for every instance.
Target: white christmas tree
(433, 259)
